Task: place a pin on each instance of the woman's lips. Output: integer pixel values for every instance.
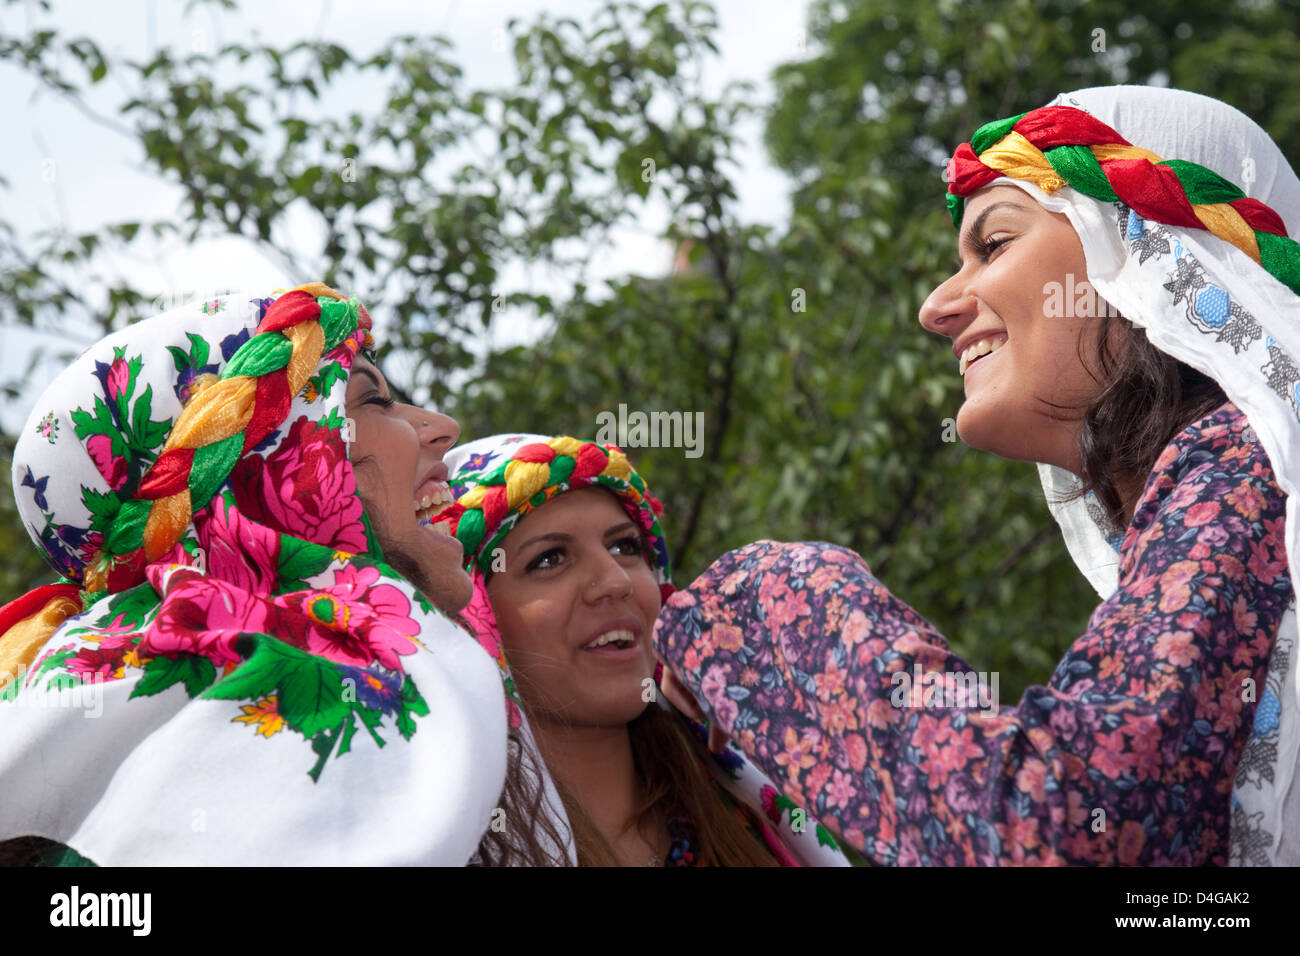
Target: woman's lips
(617, 640)
(979, 349)
(430, 498)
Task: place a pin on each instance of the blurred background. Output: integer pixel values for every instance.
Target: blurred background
(555, 208)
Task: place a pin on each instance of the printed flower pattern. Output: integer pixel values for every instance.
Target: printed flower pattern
(269, 600)
(48, 427)
(1126, 756)
(303, 488)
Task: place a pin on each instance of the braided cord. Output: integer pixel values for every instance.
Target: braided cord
(1062, 146)
(224, 418)
(534, 475)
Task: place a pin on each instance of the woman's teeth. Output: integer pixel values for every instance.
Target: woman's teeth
(982, 347)
(430, 504)
(621, 638)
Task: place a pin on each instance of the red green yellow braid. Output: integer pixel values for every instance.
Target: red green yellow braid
(534, 474)
(225, 417)
(1059, 146)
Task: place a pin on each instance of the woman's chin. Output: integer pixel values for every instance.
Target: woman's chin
(985, 429)
(974, 427)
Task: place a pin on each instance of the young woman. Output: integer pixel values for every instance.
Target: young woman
(1161, 396)
(569, 567)
(267, 688)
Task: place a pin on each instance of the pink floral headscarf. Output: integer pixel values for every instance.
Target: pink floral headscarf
(269, 690)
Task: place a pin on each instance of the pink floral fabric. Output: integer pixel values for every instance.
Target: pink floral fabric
(274, 595)
(303, 488)
(270, 690)
(1126, 756)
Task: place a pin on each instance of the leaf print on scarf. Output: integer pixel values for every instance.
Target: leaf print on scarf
(190, 365)
(38, 488)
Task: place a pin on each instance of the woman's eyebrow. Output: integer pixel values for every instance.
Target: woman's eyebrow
(620, 528)
(549, 536)
(967, 235)
(357, 370)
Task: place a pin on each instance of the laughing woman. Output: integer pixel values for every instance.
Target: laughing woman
(1166, 421)
(248, 606)
(569, 567)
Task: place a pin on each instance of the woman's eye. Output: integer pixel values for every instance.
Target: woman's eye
(380, 401)
(986, 247)
(632, 544)
(546, 560)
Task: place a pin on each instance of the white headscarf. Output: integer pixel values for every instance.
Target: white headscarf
(1129, 262)
(271, 692)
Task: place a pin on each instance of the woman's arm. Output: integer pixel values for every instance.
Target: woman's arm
(1127, 755)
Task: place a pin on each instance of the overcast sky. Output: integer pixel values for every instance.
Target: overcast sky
(66, 171)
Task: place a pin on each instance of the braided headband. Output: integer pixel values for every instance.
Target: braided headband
(225, 416)
(1059, 146)
(534, 474)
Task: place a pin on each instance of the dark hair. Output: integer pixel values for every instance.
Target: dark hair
(522, 800)
(1148, 397)
(675, 784)
(26, 851)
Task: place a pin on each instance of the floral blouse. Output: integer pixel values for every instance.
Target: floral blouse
(856, 706)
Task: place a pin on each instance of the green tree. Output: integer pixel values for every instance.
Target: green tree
(824, 402)
(826, 405)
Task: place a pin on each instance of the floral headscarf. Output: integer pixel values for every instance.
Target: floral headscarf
(500, 479)
(1183, 206)
(227, 616)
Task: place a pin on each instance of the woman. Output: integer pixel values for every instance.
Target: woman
(569, 567)
(1160, 397)
(268, 688)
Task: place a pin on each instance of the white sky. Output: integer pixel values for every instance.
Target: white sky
(67, 172)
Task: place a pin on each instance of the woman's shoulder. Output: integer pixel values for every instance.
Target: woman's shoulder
(1215, 472)
(1222, 443)
(1226, 429)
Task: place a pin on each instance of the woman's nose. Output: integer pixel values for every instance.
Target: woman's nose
(608, 579)
(950, 307)
(434, 427)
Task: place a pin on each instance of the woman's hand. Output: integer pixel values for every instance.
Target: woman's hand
(680, 697)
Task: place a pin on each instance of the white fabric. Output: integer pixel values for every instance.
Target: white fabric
(1129, 263)
(170, 781)
(167, 778)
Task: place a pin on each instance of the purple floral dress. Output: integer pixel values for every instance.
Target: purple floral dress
(854, 703)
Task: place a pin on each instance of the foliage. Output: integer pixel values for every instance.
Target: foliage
(823, 402)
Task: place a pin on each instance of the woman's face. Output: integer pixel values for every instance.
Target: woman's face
(1021, 287)
(576, 604)
(396, 455)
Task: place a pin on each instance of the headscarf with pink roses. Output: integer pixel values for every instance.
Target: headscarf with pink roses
(227, 613)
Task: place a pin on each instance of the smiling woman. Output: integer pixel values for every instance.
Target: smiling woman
(268, 688)
(397, 456)
(1022, 368)
(1161, 398)
(570, 567)
(1052, 373)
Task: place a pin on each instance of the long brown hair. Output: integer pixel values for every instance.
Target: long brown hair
(1147, 398)
(530, 836)
(675, 784)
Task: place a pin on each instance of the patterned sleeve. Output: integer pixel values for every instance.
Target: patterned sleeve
(855, 705)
